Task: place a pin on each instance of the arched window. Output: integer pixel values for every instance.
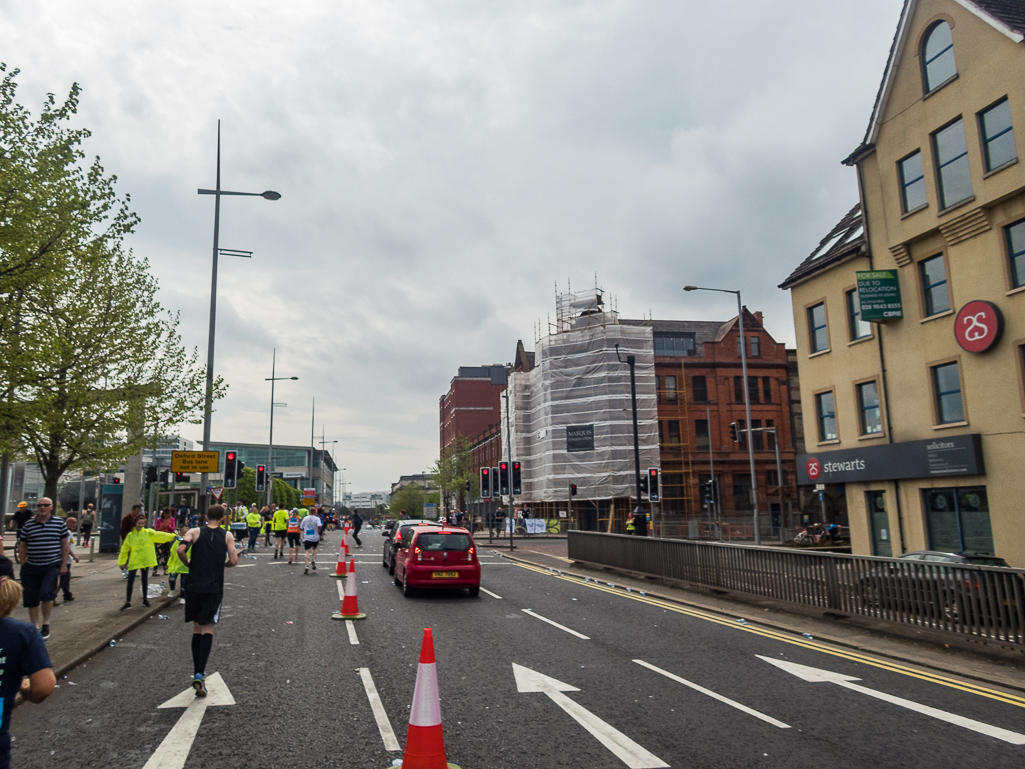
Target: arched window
(938, 56)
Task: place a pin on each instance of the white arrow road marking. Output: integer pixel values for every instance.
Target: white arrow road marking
(351, 627)
(816, 675)
(383, 724)
(555, 624)
(713, 695)
(174, 750)
(625, 749)
(493, 595)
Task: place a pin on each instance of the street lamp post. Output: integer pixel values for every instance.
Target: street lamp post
(217, 192)
(747, 401)
(322, 442)
(269, 474)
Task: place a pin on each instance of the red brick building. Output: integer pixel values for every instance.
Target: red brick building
(471, 406)
(700, 392)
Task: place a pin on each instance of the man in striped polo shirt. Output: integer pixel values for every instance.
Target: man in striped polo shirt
(43, 546)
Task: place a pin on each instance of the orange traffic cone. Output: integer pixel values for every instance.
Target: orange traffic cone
(340, 569)
(425, 742)
(350, 606)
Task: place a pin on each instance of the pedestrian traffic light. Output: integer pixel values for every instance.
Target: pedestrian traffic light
(485, 483)
(164, 476)
(230, 469)
(467, 485)
(503, 478)
(494, 483)
(261, 478)
(735, 432)
(517, 485)
(181, 478)
(653, 490)
(151, 474)
(572, 489)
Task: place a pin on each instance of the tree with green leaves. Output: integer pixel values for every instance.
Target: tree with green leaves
(454, 468)
(412, 499)
(90, 363)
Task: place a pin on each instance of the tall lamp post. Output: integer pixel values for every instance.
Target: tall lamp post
(639, 520)
(217, 192)
(747, 401)
(269, 475)
(322, 443)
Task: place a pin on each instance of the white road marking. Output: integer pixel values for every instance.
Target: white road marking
(383, 724)
(713, 695)
(555, 624)
(341, 589)
(173, 751)
(484, 590)
(816, 675)
(351, 627)
(625, 749)
(243, 565)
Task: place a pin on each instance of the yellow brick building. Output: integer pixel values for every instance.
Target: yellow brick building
(920, 419)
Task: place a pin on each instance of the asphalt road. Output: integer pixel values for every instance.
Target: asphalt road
(300, 700)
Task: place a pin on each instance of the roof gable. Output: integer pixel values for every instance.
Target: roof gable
(846, 239)
(1005, 16)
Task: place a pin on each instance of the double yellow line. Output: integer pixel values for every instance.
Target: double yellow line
(952, 683)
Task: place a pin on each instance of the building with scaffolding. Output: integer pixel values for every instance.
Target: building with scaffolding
(570, 414)
(570, 420)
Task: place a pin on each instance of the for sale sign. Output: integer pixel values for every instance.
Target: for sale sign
(879, 295)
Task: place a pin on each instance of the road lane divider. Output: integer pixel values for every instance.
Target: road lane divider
(351, 627)
(621, 746)
(391, 743)
(174, 749)
(714, 695)
(817, 675)
(493, 595)
(792, 639)
(553, 623)
(350, 602)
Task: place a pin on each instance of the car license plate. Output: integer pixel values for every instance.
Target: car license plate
(444, 573)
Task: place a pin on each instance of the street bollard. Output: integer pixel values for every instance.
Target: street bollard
(92, 541)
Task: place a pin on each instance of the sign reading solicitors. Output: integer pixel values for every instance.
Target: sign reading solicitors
(879, 295)
(950, 455)
(580, 438)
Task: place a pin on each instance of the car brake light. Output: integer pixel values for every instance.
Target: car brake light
(416, 550)
(469, 554)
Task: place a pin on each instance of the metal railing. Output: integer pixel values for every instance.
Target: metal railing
(985, 602)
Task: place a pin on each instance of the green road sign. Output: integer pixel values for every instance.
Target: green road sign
(879, 295)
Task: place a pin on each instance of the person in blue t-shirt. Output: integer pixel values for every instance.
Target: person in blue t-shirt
(27, 666)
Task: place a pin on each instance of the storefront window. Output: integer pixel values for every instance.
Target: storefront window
(958, 520)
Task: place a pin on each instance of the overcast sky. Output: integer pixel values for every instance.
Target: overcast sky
(443, 166)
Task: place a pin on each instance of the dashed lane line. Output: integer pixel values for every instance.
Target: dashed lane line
(714, 695)
(351, 627)
(493, 595)
(952, 683)
(380, 716)
(553, 623)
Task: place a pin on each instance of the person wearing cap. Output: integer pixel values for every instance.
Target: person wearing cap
(44, 544)
(22, 515)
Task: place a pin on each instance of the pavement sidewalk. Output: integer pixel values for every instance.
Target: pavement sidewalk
(878, 640)
(82, 627)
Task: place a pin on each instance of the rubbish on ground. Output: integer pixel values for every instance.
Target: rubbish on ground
(809, 636)
(290, 622)
(574, 599)
(642, 592)
(113, 642)
(162, 616)
(610, 584)
(741, 621)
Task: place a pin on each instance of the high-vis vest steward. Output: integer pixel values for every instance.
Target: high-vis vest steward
(253, 520)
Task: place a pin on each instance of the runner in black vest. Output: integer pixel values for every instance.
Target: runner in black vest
(213, 548)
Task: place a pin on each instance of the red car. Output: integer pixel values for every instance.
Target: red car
(437, 557)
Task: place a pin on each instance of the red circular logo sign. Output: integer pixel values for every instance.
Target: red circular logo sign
(814, 469)
(978, 326)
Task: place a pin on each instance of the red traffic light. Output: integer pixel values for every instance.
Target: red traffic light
(484, 470)
(259, 468)
(231, 455)
(653, 473)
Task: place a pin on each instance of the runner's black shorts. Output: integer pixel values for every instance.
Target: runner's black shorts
(307, 545)
(279, 533)
(202, 608)
(293, 539)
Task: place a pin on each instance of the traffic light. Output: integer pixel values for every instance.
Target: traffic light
(653, 491)
(503, 478)
(230, 469)
(181, 478)
(467, 485)
(261, 478)
(735, 432)
(485, 483)
(151, 474)
(116, 480)
(164, 476)
(572, 489)
(494, 483)
(517, 485)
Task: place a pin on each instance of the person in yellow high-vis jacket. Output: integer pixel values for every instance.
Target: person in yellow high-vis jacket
(253, 523)
(139, 552)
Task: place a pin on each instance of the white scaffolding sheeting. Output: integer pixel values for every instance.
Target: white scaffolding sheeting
(577, 380)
